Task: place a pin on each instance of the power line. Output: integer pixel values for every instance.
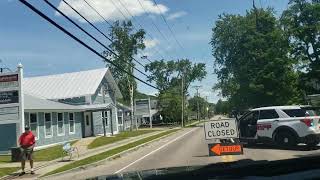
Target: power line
(126, 9)
(4, 66)
(97, 13)
(81, 42)
(92, 26)
(74, 23)
(128, 12)
(153, 23)
(108, 22)
(146, 57)
(114, 4)
(165, 21)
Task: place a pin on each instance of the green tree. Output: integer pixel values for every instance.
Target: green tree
(167, 75)
(251, 60)
(301, 22)
(193, 106)
(126, 44)
(222, 107)
(170, 104)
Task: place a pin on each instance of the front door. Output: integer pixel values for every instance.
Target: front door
(248, 125)
(87, 124)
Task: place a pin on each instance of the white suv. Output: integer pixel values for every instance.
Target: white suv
(284, 125)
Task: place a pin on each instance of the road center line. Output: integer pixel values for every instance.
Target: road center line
(154, 151)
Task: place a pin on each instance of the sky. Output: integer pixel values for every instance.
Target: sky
(43, 49)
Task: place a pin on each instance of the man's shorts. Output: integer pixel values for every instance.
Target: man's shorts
(26, 153)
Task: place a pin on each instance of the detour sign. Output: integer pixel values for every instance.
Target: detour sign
(225, 149)
(222, 129)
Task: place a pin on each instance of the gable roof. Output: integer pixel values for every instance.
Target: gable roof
(34, 103)
(68, 85)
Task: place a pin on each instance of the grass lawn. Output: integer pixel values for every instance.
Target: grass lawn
(5, 158)
(195, 124)
(101, 141)
(109, 153)
(49, 154)
(8, 170)
(190, 122)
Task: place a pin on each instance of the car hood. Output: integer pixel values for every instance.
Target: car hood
(242, 169)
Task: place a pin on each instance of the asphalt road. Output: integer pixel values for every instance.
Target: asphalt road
(185, 148)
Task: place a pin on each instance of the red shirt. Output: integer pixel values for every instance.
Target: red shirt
(27, 139)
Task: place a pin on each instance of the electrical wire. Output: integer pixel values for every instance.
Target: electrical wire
(110, 23)
(149, 35)
(97, 13)
(92, 26)
(170, 29)
(153, 23)
(30, 6)
(74, 23)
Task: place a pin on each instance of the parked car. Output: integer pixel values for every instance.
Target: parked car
(283, 125)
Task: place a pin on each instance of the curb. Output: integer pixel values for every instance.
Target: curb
(115, 156)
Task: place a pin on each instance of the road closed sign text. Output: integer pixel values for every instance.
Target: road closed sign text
(221, 129)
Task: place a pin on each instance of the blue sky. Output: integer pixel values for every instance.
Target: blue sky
(43, 49)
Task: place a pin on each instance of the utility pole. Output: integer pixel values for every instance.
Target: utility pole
(150, 116)
(131, 103)
(198, 106)
(207, 107)
(104, 112)
(116, 111)
(182, 96)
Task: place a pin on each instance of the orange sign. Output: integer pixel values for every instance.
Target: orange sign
(225, 149)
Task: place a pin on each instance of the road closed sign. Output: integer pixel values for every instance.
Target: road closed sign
(221, 129)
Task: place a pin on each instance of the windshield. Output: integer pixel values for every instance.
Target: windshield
(152, 87)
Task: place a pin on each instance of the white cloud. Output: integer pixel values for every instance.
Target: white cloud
(108, 9)
(176, 15)
(150, 43)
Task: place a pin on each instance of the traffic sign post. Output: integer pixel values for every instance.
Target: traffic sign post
(220, 149)
(221, 129)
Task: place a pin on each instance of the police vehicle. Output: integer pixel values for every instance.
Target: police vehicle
(283, 125)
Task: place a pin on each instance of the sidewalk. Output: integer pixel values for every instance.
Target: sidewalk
(42, 168)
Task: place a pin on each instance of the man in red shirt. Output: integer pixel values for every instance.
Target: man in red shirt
(27, 143)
